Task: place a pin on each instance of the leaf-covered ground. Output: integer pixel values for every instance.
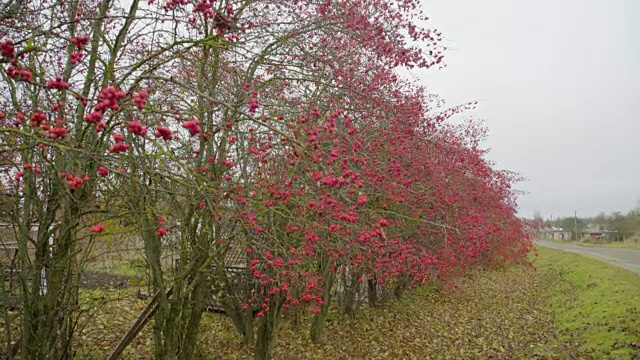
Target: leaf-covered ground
(492, 315)
(512, 314)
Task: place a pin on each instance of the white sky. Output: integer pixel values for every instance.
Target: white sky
(559, 85)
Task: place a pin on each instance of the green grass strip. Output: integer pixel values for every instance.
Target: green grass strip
(595, 303)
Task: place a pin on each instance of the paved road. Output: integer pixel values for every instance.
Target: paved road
(625, 258)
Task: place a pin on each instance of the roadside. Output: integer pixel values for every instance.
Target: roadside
(615, 245)
(625, 258)
(594, 303)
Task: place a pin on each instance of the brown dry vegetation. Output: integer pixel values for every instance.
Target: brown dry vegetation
(492, 315)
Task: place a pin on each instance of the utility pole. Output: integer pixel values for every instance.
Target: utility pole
(575, 219)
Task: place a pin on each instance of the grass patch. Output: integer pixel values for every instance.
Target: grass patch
(595, 303)
(614, 245)
(132, 268)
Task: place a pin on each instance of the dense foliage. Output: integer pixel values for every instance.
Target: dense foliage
(277, 132)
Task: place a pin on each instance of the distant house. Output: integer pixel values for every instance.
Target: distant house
(554, 233)
(600, 235)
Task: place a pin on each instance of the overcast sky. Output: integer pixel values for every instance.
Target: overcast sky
(559, 85)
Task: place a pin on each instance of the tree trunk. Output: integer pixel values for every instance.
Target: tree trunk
(348, 295)
(317, 325)
(50, 298)
(267, 325)
(372, 291)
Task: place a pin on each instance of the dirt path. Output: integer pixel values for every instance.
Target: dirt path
(625, 258)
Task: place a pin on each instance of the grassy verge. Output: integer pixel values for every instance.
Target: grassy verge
(594, 303)
(615, 245)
